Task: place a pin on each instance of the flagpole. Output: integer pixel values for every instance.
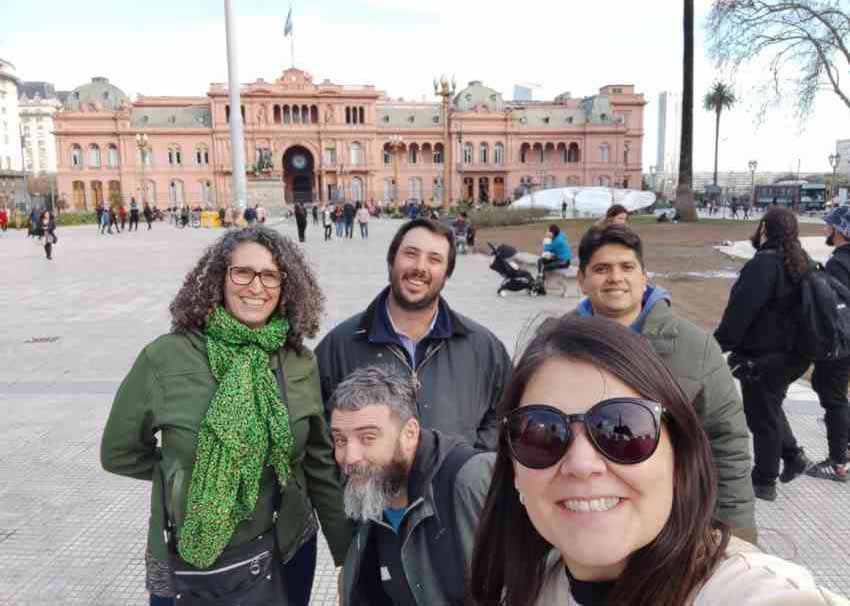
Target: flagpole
(237, 135)
(292, 47)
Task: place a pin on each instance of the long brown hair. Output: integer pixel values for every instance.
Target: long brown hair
(780, 231)
(509, 558)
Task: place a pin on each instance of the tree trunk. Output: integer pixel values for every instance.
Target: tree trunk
(684, 192)
(716, 144)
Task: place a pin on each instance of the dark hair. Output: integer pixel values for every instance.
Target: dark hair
(780, 230)
(601, 235)
(554, 230)
(435, 227)
(301, 299)
(616, 209)
(509, 557)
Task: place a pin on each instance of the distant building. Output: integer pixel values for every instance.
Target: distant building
(522, 93)
(36, 105)
(10, 136)
(842, 148)
(669, 132)
(319, 142)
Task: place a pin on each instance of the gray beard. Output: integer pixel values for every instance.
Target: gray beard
(365, 501)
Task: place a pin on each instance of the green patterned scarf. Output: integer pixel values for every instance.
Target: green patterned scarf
(245, 426)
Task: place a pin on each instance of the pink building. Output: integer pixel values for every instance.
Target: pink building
(319, 142)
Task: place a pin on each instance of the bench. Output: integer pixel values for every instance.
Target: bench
(564, 278)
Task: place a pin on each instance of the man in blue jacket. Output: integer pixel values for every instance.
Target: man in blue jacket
(556, 253)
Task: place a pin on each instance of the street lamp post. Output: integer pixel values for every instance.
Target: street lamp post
(753, 164)
(652, 170)
(396, 144)
(834, 159)
(445, 89)
(142, 143)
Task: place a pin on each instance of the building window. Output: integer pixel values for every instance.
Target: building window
(348, 115)
(499, 153)
(483, 153)
(388, 157)
(206, 192)
(626, 154)
(467, 153)
(413, 154)
(112, 156)
(355, 154)
(174, 156)
(202, 155)
(438, 153)
(94, 156)
(175, 192)
(604, 153)
(286, 115)
(573, 153)
(76, 157)
(330, 155)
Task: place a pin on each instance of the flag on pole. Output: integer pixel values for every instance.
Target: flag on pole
(287, 29)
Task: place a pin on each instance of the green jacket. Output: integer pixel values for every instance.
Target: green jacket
(695, 359)
(168, 390)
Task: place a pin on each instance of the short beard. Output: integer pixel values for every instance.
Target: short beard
(408, 305)
(367, 499)
(830, 239)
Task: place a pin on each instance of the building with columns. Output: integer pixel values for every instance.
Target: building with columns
(320, 142)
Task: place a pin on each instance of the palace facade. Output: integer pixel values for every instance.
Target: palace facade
(323, 141)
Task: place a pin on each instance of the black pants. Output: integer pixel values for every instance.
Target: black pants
(48, 248)
(772, 436)
(830, 381)
(328, 232)
(544, 265)
(302, 228)
(134, 220)
(349, 229)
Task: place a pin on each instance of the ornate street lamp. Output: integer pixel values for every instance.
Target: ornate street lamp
(395, 143)
(834, 160)
(142, 143)
(446, 90)
(753, 164)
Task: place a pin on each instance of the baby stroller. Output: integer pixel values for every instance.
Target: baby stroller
(514, 279)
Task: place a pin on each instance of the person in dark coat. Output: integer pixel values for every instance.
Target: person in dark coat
(134, 214)
(47, 230)
(148, 213)
(348, 212)
(758, 327)
(315, 214)
(301, 221)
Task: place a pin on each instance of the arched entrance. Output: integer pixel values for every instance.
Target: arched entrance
(298, 175)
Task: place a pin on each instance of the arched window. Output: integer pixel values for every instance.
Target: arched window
(604, 181)
(483, 153)
(437, 188)
(438, 153)
(388, 189)
(202, 155)
(146, 156)
(388, 155)
(523, 152)
(355, 154)
(562, 152)
(361, 115)
(112, 156)
(467, 153)
(413, 154)
(348, 115)
(174, 156)
(286, 115)
(76, 158)
(357, 189)
(499, 153)
(604, 153)
(94, 156)
(296, 114)
(79, 193)
(538, 152)
(314, 114)
(175, 192)
(573, 153)
(276, 114)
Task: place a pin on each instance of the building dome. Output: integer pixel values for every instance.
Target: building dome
(98, 94)
(475, 95)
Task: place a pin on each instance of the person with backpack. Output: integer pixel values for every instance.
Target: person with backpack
(830, 377)
(759, 327)
(417, 494)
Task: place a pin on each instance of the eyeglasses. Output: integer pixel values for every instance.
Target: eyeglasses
(243, 276)
(623, 430)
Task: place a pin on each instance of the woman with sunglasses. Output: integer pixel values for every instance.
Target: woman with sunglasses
(603, 490)
(234, 396)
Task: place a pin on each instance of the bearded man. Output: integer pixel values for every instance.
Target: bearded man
(416, 494)
(460, 367)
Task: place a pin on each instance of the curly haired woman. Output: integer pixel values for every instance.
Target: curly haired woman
(758, 327)
(234, 395)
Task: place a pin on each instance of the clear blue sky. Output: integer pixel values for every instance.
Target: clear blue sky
(160, 47)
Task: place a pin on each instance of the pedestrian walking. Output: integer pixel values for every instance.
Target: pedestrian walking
(362, 218)
(315, 211)
(221, 215)
(348, 212)
(564, 208)
(47, 229)
(245, 459)
(338, 220)
(134, 214)
(758, 327)
(104, 219)
(830, 378)
(184, 217)
(122, 215)
(113, 221)
(327, 221)
(148, 213)
(4, 219)
(301, 221)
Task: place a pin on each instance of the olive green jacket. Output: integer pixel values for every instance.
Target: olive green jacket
(168, 390)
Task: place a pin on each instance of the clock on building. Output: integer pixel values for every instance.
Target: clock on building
(299, 161)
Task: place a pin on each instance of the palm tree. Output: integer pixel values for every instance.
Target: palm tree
(718, 98)
(684, 192)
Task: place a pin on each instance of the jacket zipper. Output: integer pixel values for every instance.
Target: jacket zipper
(432, 350)
(254, 562)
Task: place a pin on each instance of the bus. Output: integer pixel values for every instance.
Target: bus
(796, 195)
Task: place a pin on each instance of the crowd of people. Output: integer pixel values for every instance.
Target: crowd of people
(610, 465)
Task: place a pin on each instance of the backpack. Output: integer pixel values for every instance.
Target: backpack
(823, 332)
(446, 551)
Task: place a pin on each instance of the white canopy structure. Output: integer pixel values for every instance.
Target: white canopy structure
(586, 201)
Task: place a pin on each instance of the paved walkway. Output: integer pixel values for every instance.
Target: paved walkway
(72, 534)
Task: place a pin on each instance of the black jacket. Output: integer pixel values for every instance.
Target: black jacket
(760, 317)
(461, 372)
(838, 264)
(348, 212)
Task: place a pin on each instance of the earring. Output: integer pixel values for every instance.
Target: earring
(521, 499)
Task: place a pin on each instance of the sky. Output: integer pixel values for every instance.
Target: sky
(177, 47)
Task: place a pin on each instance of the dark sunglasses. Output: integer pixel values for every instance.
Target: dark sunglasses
(623, 430)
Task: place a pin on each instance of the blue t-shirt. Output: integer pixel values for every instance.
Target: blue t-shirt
(394, 517)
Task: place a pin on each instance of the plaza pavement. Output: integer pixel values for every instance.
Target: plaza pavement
(73, 534)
